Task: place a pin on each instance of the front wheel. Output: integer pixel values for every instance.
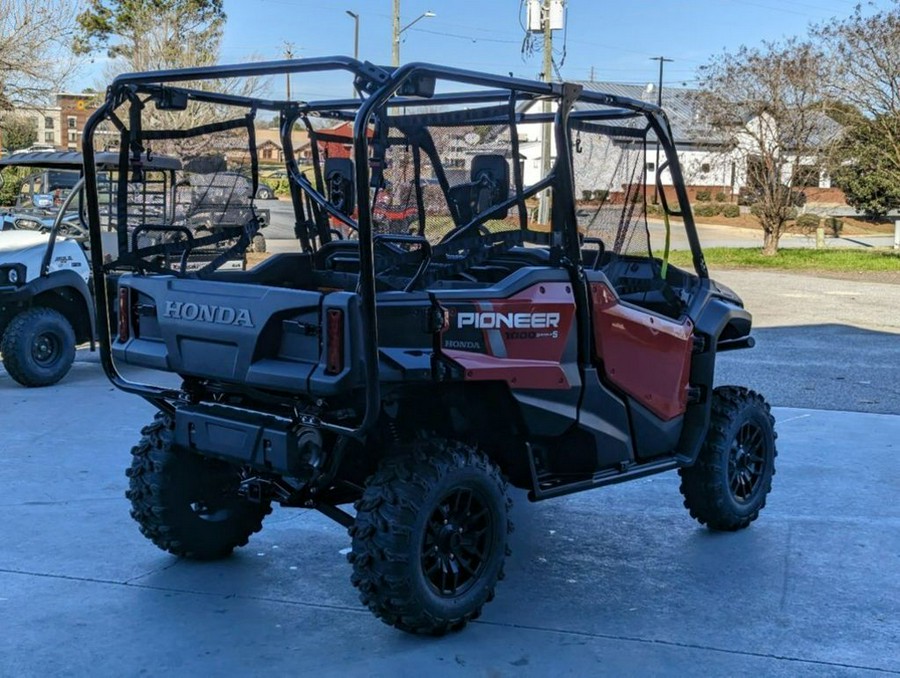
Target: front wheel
(727, 487)
(38, 347)
(186, 504)
(430, 537)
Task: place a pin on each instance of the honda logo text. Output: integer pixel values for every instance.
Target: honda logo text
(206, 313)
(494, 321)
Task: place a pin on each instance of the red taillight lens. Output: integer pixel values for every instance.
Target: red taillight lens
(124, 314)
(334, 326)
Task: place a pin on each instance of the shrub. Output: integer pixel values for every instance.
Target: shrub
(704, 196)
(721, 196)
(707, 210)
(731, 211)
(834, 225)
(587, 195)
(600, 195)
(807, 222)
(12, 183)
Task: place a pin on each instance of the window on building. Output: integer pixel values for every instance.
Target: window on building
(48, 122)
(651, 166)
(705, 168)
(73, 121)
(49, 138)
(73, 136)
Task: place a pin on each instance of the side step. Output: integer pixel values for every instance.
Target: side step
(547, 487)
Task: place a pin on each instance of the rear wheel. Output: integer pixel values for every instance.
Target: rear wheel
(430, 537)
(38, 347)
(186, 504)
(727, 487)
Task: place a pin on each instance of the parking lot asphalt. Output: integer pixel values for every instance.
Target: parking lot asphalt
(618, 581)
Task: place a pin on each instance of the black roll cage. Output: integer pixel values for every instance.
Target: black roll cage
(378, 88)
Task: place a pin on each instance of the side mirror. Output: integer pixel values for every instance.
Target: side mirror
(417, 86)
(171, 100)
(490, 174)
(340, 184)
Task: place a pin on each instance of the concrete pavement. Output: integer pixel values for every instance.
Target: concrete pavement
(618, 581)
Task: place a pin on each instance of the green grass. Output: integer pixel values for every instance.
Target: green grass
(843, 260)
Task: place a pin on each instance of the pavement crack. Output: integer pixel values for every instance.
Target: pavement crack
(60, 502)
(691, 646)
(155, 570)
(787, 569)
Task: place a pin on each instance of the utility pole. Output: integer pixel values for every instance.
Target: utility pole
(395, 42)
(592, 74)
(546, 76)
(288, 54)
(662, 60)
(397, 31)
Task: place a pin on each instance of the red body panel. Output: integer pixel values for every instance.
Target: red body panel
(522, 340)
(647, 356)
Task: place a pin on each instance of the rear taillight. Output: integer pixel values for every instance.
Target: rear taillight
(124, 314)
(334, 333)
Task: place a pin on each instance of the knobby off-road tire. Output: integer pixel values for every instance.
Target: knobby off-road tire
(430, 537)
(727, 487)
(38, 347)
(186, 504)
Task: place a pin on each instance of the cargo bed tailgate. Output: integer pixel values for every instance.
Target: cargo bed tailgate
(268, 337)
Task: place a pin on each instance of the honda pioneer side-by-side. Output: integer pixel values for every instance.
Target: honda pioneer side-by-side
(504, 332)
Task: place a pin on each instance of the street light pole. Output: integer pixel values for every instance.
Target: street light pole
(355, 17)
(395, 47)
(662, 60)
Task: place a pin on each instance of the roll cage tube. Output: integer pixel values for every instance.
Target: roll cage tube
(366, 287)
(660, 124)
(120, 91)
(48, 253)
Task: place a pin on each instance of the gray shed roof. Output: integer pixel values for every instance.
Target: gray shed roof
(677, 102)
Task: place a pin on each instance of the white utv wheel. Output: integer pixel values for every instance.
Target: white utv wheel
(38, 347)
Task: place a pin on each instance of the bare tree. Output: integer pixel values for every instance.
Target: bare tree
(765, 104)
(35, 49)
(147, 35)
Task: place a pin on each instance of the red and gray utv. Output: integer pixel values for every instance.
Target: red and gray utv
(416, 368)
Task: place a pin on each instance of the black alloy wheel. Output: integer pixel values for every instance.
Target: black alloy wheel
(458, 542)
(747, 462)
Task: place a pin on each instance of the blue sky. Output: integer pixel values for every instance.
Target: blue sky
(615, 37)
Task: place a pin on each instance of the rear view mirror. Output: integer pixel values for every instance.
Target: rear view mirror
(417, 86)
(171, 100)
(340, 184)
(490, 174)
